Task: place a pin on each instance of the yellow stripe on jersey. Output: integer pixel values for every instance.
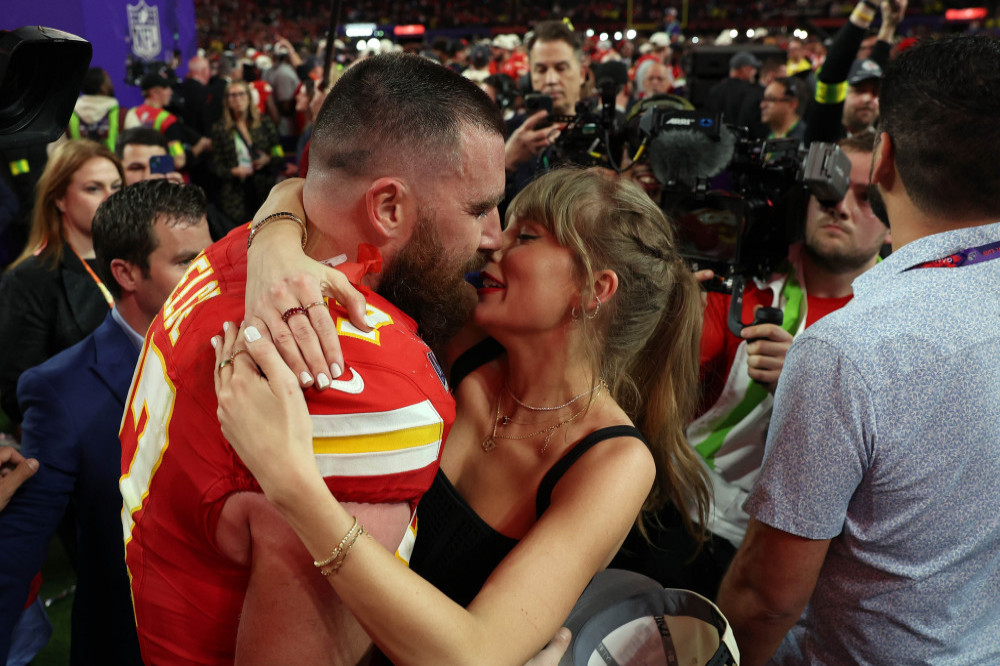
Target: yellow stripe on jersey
(389, 441)
(378, 443)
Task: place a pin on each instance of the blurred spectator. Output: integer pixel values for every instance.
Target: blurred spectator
(781, 108)
(191, 96)
(96, 115)
(185, 143)
(244, 146)
(749, 116)
(727, 96)
(51, 297)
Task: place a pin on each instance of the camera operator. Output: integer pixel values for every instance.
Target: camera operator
(555, 58)
(739, 375)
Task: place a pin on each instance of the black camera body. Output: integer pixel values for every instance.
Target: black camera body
(41, 70)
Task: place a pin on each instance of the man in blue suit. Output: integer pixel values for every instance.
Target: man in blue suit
(144, 236)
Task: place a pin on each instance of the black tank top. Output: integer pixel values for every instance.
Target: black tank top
(456, 550)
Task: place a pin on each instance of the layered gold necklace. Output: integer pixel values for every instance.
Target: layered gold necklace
(501, 420)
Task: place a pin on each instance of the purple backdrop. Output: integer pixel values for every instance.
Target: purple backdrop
(156, 29)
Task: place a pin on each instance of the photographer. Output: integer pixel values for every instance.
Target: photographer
(739, 375)
(555, 57)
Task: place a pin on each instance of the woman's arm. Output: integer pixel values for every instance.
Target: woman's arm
(280, 276)
(523, 602)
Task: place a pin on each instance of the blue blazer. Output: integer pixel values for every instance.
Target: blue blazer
(73, 405)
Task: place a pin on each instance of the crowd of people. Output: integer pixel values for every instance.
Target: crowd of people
(435, 373)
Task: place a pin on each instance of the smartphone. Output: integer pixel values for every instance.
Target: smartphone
(535, 102)
(162, 164)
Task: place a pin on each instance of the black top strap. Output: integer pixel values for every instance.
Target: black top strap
(472, 358)
(552, 477)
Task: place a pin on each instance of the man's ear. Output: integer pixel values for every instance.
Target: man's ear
(390, 206)
(126, 274)
(884, 162)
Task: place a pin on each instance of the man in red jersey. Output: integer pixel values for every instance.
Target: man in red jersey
(411, 180)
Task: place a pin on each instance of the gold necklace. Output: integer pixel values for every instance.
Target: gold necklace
(490, 443)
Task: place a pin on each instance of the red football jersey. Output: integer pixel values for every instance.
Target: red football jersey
(378, 433)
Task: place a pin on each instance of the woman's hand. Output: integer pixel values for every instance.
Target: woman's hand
(262, 411)
(281, 278)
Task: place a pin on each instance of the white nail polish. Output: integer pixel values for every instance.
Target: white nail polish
(335, 370)
(251, 334)
(305, 378)
(322, 381)
(225, 326)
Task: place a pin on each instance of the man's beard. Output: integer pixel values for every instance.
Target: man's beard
(429, 286)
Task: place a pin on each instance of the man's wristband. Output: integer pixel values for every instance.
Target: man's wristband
(277, 216)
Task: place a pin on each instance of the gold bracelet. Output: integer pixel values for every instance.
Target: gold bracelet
(342, 556)
(277, 216)
(336, 551)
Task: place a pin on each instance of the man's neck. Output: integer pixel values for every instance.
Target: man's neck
(822, 282)
(130, 312)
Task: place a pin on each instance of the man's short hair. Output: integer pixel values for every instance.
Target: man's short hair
(93, 81)
(555, 31)
(862, 142)
(944, 121)
(123, 224)
(141, 136)
(397, 112)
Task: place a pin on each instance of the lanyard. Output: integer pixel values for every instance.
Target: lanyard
(95, 278)
(966, 257)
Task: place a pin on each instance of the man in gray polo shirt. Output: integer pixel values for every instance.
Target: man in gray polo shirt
(879, 499)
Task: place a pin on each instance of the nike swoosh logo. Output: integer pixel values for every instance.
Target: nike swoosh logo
(354, 385)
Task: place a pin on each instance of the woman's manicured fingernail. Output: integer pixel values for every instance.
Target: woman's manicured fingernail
(251, 334)
(335, 370)
(322, 381)
(305, 378)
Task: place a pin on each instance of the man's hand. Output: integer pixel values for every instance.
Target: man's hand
(15, 469)
(766, 349)
(892, 13)
(553, 652)
(527, 142)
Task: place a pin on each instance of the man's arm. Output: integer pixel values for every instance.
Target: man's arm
(767, 587)
(291, 614)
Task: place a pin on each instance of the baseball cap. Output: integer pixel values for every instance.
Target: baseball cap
(633, 619)
(863, 70)
(744, 59)
(154, 80)
(659, 40)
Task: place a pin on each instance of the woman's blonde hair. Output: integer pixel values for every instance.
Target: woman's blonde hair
(45, 238)
(645, 341)
(253, 113)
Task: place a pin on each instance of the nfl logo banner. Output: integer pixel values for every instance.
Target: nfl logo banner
(144, 29)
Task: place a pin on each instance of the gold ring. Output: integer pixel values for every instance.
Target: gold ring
(314, 304)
